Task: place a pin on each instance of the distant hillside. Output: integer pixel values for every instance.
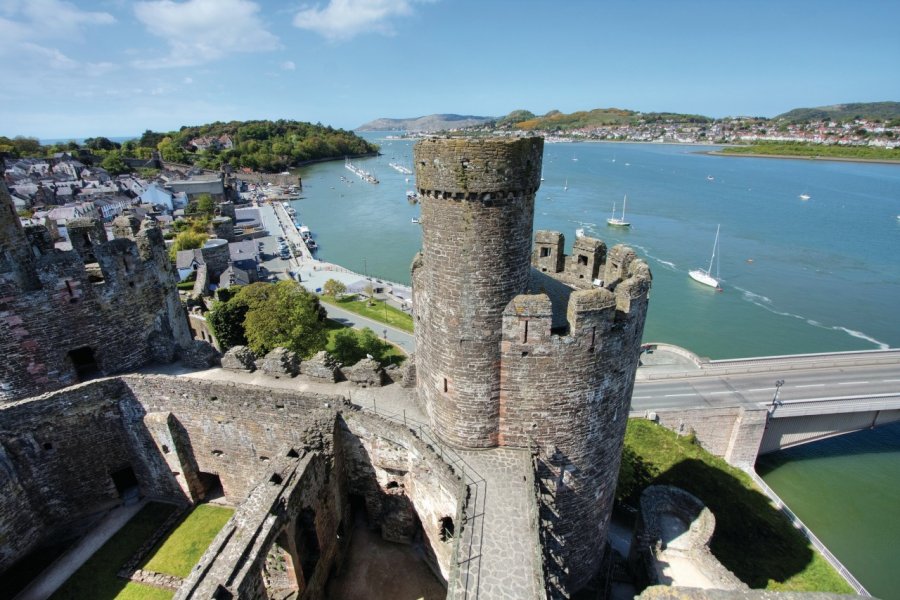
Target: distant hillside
(885, 111)
(558, 121)
(430, 123)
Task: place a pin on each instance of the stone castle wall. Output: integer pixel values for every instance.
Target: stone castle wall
(111, 302)
(477, 208)
(59, 455)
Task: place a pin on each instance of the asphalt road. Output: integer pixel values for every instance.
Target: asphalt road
(759, 388)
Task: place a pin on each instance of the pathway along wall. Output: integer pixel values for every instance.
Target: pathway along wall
(477, 209)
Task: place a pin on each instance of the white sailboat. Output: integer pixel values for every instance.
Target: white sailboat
(804, 196)
(566, 185)
(705, 276)
(619, 221)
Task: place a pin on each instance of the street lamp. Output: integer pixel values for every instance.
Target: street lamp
(775, 401)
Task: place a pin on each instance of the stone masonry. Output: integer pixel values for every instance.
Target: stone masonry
(525, 350)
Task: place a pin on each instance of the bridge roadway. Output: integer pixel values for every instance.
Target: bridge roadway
(671, 382)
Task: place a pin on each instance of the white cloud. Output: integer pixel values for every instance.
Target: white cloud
(201, 31)
(47, 19)
(344, 19)
(288, 65)
(188, 80)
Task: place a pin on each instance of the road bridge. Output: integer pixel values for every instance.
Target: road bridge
(740, 408)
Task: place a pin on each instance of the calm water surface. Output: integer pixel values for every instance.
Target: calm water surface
(798, 276)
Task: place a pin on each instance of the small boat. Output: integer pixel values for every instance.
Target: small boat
(804, 196)
(311, 244)
(566, 185)
(710, 178)
(704, 276)
(619, 221)
(579, 233)
(415, 221)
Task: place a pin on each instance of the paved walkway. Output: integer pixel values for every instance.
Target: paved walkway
(65, 566)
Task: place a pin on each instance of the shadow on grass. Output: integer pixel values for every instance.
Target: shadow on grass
(752, 539)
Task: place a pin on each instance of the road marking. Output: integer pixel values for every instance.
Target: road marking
(890, 381)
(810, 385)
(725, 392)
(768, 389)
(852, 382)
(677, 395)
(641, 397)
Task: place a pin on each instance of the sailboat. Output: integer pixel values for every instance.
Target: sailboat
(804, 196)
(619, 221)
(566, 185)
(705, 276)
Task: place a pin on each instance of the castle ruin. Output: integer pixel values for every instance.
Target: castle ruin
(520, 349)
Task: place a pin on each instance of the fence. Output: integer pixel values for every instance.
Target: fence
(816, 543)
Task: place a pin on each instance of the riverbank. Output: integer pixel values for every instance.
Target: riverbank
(882, 161)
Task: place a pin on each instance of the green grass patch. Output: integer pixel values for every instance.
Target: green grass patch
(378, 311)
(815, 151)
(184, 546)
(752, 539)
(97, 580)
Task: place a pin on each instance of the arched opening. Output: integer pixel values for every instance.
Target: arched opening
(447, 529)
(126, 483)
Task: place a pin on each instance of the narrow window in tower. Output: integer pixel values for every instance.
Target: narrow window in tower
(71, 290)
(445, 384)
(545, 252)
(525, 332)
(593, 337)
(582, 259)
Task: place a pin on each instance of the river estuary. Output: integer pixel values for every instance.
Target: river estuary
(798, 275)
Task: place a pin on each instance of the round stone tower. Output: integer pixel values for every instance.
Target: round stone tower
(477, 209)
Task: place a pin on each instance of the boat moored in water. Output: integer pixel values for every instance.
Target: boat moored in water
(704, 276)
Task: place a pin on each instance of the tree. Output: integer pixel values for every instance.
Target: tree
(289, 316)
(205, 204)
(334, 288)
(227, 321)
(187, 240)
(351, 345)
(101, 143)
(114, 163)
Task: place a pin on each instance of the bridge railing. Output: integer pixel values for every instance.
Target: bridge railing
(763, 364)
(815, 541)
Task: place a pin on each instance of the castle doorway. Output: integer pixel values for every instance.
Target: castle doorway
(84, 363)
(212, 487)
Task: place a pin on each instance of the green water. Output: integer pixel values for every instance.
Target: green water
(824, 276)
(847, 490)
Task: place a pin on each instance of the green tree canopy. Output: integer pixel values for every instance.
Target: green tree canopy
(287, 315)
(114, 163)
(334, 288)
(187, 240)
(351, 346)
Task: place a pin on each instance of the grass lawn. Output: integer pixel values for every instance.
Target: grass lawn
(184, 546)
(752, 539)
(96, 579)
(380, 311)
(815, 150)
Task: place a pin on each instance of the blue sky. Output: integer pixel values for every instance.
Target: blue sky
(115, 67)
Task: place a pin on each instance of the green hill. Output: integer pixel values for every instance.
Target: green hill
(263, 145)
(884, 111)
(599, 117)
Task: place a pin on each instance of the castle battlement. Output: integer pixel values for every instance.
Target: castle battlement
(520, 345)
(103, 307)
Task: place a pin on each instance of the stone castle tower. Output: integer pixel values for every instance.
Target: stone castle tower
(520, 349)
(106, 306)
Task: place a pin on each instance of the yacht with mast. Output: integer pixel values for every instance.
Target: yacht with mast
(704, 276)
(619, 221)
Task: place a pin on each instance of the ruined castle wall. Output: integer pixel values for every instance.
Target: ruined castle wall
(60, 453)
(235, 431)
(122, 308)
(477, 208)
(569, 395)
(403, 482)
